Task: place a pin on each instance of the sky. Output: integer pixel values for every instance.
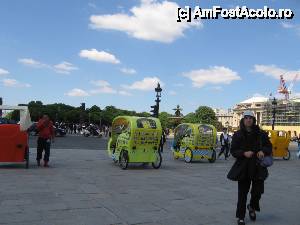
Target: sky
(114, 53)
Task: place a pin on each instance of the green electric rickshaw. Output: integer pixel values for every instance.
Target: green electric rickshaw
(195, 142)
(135, 140)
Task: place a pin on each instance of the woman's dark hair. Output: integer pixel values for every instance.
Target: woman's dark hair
(255, 127)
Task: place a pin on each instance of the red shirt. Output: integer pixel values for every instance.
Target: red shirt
(45, 129)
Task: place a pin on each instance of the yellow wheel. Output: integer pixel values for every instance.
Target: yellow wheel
(188, 155)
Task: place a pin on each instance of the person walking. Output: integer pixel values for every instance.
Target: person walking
(163, 140)
(249, 145)
(298, 153)
(224, 140)
(46, 135)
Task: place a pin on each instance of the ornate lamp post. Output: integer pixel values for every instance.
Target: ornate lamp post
(274, 105)
(155, 108)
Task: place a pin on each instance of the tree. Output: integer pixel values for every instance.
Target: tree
(205, 114)
(190, 118)
(73, 116)
(164, 118)
(36, 109)
(143, 114)
(219, 126)
(109, 113)
(94, 114)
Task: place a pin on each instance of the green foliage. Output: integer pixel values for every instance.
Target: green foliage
(190, 118)
(70, 114)
(219, 126)
(164, 118)
(94, 114)
(203, 114)
(13, 115)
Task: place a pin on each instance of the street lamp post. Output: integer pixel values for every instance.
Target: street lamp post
(274, 105)
(155, 111)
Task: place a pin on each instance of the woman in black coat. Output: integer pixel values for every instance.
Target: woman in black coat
(249, 144)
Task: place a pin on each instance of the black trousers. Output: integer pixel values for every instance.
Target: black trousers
(226, 149)
(256, 191)
(43, 144)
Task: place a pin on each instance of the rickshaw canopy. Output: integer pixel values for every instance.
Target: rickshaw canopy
(25, 120)
(202, 134)
(130, 123)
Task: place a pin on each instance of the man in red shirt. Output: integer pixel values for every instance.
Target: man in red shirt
(46, 134)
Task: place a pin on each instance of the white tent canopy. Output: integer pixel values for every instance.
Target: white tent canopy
(25, 120)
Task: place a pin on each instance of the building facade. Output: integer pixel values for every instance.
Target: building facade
(287, 113)
(255, 104)
(226, 117)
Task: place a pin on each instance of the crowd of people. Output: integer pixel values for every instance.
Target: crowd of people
(94, 129)
(86, 129)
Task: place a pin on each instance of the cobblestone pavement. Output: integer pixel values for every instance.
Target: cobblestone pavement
(84, 187)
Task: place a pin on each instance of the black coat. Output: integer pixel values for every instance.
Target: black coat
(249, 168)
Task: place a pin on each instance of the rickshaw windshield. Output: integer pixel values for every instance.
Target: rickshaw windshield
(146, 123)
(182, 131)
(205, 130)
(206, 135)
(120, 126)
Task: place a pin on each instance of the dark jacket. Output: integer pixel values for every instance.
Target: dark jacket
(224, 141)
(242, 141)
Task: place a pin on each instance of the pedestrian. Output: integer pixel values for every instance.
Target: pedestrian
(298, 153)
(224, 140)
(46, 135)
(74, 128)
(249, 145)
(162, 141)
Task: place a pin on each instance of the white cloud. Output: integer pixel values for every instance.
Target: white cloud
(64, 67)
(216, 88)
(128, 71)
(100, 83)
(125, 93)
(104, 90)
(172, 93)
(287, 25)
(147, 84)
(295, 27)
(32, 63)
(103, 87)
(275, 72)
(76, 92)
(102, 56)
(92, 5)
(3, 72)
(151, 20)
(14, 83)
(213, 75)
(178, 85)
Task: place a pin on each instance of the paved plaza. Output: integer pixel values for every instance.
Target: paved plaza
(84, 187)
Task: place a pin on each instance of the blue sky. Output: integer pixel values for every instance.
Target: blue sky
(113, 53)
